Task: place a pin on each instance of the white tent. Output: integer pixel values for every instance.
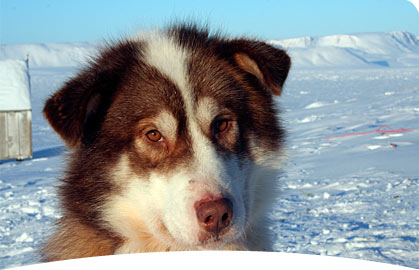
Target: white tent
(15, 110)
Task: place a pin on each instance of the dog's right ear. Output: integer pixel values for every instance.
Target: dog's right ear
(78, 109)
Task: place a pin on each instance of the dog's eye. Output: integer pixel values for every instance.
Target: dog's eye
(221, 126)
(154, 135)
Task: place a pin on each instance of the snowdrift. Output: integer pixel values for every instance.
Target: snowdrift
(394, 49)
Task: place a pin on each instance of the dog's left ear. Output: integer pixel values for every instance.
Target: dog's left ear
(268, 64)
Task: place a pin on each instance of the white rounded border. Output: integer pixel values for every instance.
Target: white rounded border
(202, 260)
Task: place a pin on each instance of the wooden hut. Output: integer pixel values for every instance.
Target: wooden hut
(15, 110)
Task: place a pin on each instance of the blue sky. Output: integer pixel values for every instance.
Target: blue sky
(37, 21)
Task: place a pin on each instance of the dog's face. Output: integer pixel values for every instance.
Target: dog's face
(169, 133)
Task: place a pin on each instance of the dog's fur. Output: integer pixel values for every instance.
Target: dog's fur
(125, 193)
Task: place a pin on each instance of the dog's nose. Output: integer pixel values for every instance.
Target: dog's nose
(214, 215)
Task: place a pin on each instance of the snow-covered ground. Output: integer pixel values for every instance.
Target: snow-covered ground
(355, 196)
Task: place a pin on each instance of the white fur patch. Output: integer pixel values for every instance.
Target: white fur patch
(170, 59)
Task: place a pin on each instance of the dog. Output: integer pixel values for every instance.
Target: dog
(175, 144)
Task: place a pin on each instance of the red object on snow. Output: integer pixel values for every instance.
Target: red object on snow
(382, 130)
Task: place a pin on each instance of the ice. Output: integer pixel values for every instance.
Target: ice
(24, 237)
(308, 119)
(316, 105)
(373, 147)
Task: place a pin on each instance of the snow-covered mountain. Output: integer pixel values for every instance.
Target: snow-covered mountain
(394, 49)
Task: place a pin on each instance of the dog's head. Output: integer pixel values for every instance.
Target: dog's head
(175, 125)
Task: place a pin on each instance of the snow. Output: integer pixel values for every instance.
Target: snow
(353, 196)
(51, 54)
(14, 86)
(394, 49)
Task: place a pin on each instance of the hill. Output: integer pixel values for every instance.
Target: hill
(394, 49)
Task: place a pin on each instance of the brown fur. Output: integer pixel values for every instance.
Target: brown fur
(76, 240)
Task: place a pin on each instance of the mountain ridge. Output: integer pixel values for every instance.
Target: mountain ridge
(386, 49)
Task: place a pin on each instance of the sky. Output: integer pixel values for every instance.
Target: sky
(42, 21)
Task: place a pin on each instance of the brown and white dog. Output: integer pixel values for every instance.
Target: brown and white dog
(175, 145)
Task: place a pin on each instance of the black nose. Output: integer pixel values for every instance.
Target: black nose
(214, 215)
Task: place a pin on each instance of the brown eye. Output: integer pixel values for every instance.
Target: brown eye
(221, 126)
(154, 135)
